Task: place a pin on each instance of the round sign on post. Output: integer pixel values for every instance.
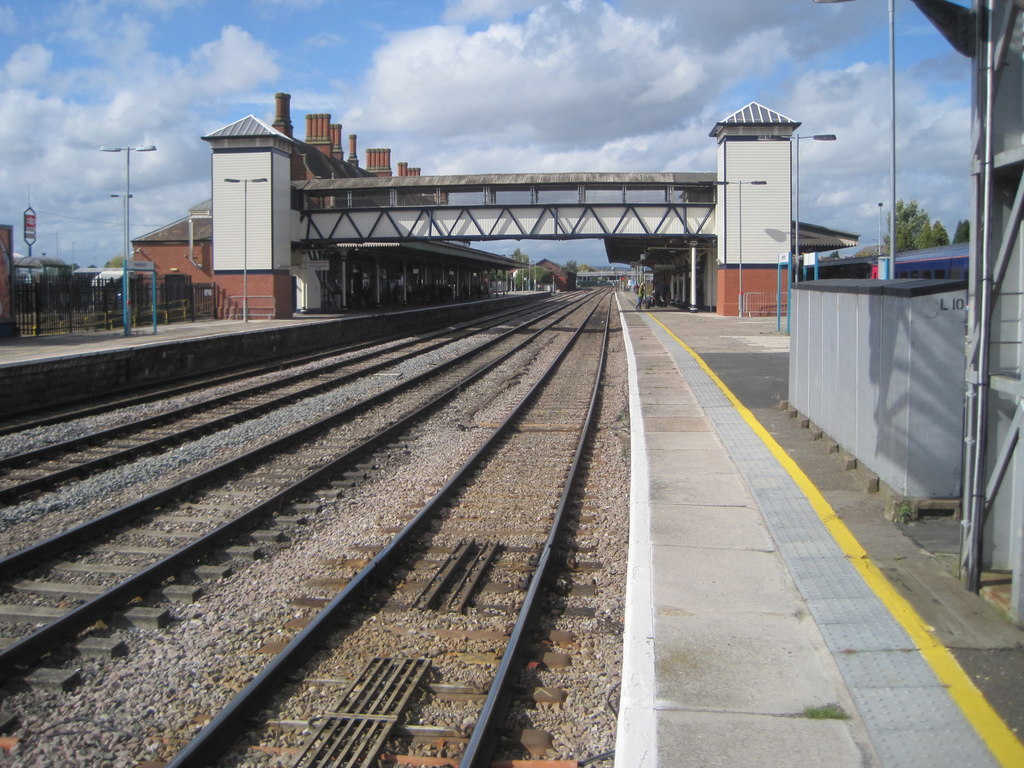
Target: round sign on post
(30, 226)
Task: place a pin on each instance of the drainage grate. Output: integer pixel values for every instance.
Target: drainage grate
(353, 733)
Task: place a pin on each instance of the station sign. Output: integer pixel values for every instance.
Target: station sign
(30, 226)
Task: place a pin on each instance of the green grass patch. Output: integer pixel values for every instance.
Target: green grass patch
(826, 712)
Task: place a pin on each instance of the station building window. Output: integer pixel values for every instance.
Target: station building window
(645, 194)
(417, 197)
(371, 198)
(463, 196)
(513, 196)
(558, 195)
(613, 195)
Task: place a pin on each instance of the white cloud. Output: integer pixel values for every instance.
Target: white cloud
(123, 94)
(561, 85)
(236, 62)
(27, 65)
(567, 75)
(842, 182)
(325, 40)
(459, 11)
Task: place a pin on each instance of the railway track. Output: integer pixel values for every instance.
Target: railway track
(483, 529)
(47, 414)
(44, 467)
(127, 551)
(483, 581)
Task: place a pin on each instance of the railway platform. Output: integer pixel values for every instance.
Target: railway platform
(774, 617)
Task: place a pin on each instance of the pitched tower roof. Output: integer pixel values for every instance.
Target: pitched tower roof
(755, 119)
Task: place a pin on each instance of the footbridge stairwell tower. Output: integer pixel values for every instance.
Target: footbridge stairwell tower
(753, 217)
(252, 217)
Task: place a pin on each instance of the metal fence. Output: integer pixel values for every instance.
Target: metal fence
(764, 304)
(68, 303)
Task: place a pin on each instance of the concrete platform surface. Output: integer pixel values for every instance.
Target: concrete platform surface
(759, 631)
(774, 617)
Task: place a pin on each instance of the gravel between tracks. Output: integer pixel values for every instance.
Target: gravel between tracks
(144, 706)
(52, 512)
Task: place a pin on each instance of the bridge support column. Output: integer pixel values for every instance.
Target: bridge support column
(693, 278)
(376, 282)
(344, 283)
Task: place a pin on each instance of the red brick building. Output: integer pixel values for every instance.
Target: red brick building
(186, 247)
(563, 279)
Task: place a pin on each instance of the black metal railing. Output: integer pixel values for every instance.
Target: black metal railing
(71, 303)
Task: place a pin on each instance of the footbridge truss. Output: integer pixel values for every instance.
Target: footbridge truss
(559, 206)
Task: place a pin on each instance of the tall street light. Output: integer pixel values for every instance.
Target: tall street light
(125, 283)
(245, 241)
(891, 259)
(880, 205)
(796, 139)
(739, 216)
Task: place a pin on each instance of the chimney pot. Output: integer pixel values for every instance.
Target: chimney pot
(282, 113)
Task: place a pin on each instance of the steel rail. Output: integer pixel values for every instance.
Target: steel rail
(31, 647)
(8, 493)
(481, 744)
(221, 732)
(11, 425)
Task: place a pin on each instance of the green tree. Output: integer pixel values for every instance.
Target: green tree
(572, 266)
(518, 255)
(910, 220)
(532, 276)
(586, 268)
(114, 263)
(963, 231)
(932, 235)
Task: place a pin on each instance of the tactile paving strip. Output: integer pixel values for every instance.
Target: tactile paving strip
(909, 714)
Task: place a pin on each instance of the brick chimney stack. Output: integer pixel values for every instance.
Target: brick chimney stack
(318, 132)
(353, 156)
(378, 161)
(336, 149)
(283, 113)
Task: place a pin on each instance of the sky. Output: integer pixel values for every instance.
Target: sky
(467, 87)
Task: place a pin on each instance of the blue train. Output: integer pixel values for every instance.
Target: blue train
(946, 262)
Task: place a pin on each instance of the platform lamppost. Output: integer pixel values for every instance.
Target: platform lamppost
(796, 139)
(879, 253)
(739, 216)
(125, 283)
(891, 259)
(245, 241)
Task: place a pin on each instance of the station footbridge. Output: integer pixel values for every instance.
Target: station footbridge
(701, 239)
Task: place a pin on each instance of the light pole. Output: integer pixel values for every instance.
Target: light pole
(245, 241)
(879, 229)
(739, 216)
(125, 283)
(891, 259)
(796, 139)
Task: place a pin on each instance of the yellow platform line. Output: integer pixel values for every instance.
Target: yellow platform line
(996, 734)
